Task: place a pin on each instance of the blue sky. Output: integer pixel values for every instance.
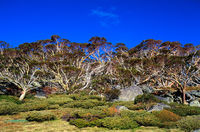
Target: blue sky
(127, 21)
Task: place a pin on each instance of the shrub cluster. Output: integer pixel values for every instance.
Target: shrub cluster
(8, 108)
(189, 123)
(166, 116)
(34, 105)
(146, 98)
(184, 110)
(40, 116)
(86, 104)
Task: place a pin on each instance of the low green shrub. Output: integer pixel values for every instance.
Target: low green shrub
(60, 100)
(8, 108)
(97, 122)
(78, 97)
(90, 114)
(37, 105)
(85, 97)
(146, 98)
(103, 107)
(147, 119)
(56, 106)
(118, 122)
(184, 110)
(189, 123)
(96, 97)
(84, 104)
(9, 98)
(80, 123)
(166, 116)
(40, 116)
(130, 105)
(141, 117)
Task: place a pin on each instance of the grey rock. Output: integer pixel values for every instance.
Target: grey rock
(129, 94)
(40, 95)
(195, 93)
(195, 103)
(158, 107)
(119, 108)
(147, 89)
(166, 99)
(189, 97)
(198, 130)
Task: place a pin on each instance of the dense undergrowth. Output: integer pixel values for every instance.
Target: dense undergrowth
(91, 111)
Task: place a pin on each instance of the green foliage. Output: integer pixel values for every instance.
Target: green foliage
(9, 98)
(8, 108)
(34, 105)
(40, 116)
(84, 104)
(119, 123)
(142, 117)
(90, 114)
(130, 105)
(59, 99)
(184, 110)
(80, 123)
(97, 122)
(85, 97)
(56, 106)
(189, 123)
(146, 98)
(166, 116)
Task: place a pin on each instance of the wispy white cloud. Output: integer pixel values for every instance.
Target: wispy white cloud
(106, 18)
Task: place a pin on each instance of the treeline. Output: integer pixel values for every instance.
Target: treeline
(98, 66)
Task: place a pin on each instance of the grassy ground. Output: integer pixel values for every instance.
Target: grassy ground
(88, 107)
(60, 126)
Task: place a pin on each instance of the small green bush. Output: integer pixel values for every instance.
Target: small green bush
(37, 105)
(146, 98)
(9, 98)
(118, 122)
(88, 114)
(130, 105)
(141, 117)
(56, 106)
(189, 123)
(84, 104)
(97, 122)
(166, 116)
(95, 97)
(60, 100)
(40, 116)
(184, 110)
(78, 97)
(80, 123)
(8, 108)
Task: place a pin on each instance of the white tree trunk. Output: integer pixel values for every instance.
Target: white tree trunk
(22, 95)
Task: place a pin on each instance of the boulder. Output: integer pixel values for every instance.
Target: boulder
(119, 108)
(147, 89)
(40, 95)
(195, 93)
(129, 93)
(198, 130)
(195, 103)
(158, 107)
(166, 99)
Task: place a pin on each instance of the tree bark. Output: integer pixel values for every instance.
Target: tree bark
(183, 97)
(22, 95)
